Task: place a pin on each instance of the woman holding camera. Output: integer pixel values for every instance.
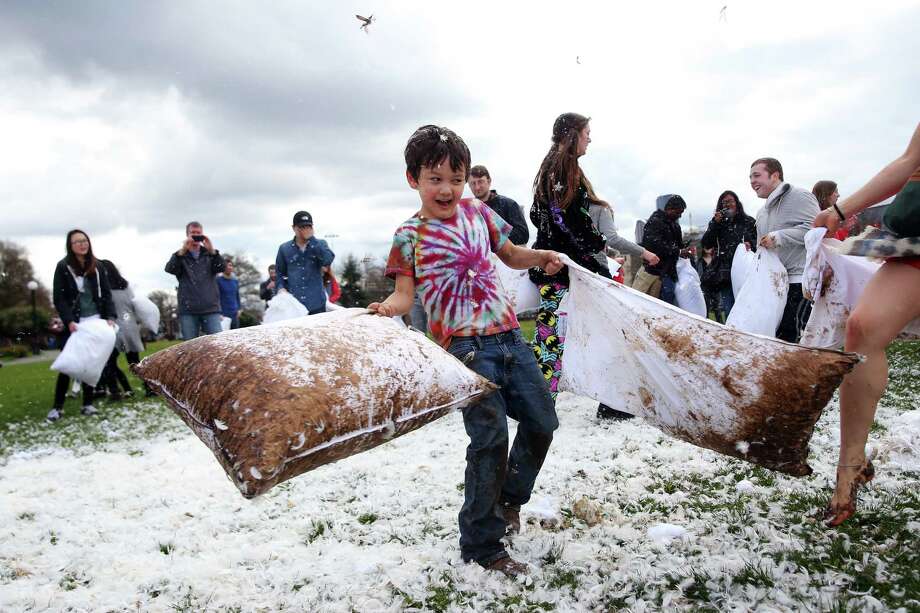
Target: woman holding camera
(729, 227)
(81, 293)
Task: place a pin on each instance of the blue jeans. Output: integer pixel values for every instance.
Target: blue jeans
(198, 325)
(417, 316)
(492, 477)
(727, 296)
(668, 285)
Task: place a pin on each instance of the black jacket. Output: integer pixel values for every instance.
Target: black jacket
(265, 293)
(571, 232)
(509, 210)
(198, 293)
(67, 296)
(665, 239)
(725, 236)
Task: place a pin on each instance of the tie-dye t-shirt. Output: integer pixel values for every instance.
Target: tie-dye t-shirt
(454, 277)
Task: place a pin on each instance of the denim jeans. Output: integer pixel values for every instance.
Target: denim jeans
(492, 477)
(418, 317)
(795, 315)
(727, 296)
(198, 325)
(668, 287)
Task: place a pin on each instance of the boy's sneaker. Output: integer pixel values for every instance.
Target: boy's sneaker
(605, 412)
(88, 410)
(508, 566)
(54, 415)
(128, 394)
(512, 516)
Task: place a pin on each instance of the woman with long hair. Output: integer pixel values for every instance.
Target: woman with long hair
(729, 227)
(889, 302)
(827, 194)
(562, 196)
(80, 293)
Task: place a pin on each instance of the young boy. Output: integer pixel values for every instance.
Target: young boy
(443, 254)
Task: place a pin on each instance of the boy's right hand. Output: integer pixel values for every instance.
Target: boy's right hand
(381, 308)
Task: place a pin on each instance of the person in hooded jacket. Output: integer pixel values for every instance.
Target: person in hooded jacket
(663, 237)
(80, 292)
(729, 227)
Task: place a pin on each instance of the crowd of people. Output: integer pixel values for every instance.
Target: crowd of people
(446, 283)
(476, 323)
(86, 288)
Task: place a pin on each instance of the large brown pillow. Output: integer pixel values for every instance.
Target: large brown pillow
(274, 401)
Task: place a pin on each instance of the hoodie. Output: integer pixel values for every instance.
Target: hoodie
(787, 216)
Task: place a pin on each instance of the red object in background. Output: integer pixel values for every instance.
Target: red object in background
(335, 292)
(842, 234)
(620, 277)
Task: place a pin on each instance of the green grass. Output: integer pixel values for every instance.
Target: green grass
(903, 374)
(27, 390)
(27, 393)
(527, 326)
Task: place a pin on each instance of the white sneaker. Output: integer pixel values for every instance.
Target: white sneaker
(54, 415)
(88, 410)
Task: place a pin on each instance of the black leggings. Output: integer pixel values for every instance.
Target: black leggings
(112, 375)
(63, 383)
(60, 391)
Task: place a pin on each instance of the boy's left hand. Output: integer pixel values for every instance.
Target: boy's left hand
(551, 262)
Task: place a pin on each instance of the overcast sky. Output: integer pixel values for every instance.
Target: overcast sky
(128, 119)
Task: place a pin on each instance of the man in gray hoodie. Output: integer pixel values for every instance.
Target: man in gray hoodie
(781, 227)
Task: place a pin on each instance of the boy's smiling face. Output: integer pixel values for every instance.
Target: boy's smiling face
(440, 188)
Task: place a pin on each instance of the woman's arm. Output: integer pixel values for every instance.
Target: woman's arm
(59, 294)
(606, 227)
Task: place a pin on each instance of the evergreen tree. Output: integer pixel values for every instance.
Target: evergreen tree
(350, 281)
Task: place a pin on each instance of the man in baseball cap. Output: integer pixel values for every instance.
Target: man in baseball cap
(299, 265)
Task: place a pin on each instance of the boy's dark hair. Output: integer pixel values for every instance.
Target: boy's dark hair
(480, 171)
(430, 144)
(772, 165)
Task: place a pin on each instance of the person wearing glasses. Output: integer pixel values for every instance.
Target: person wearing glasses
(729, 227)
(80, 293)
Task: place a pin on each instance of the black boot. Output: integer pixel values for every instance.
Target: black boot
(605, 412)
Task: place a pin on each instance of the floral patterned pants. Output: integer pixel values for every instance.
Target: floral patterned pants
(549, 340)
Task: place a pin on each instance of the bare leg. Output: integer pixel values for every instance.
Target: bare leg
(890, 301)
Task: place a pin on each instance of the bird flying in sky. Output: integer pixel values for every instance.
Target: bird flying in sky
(365, 21)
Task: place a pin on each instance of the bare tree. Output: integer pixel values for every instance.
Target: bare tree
(168, 305)
(249, 277)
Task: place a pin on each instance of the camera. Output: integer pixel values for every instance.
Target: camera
(198, 238)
